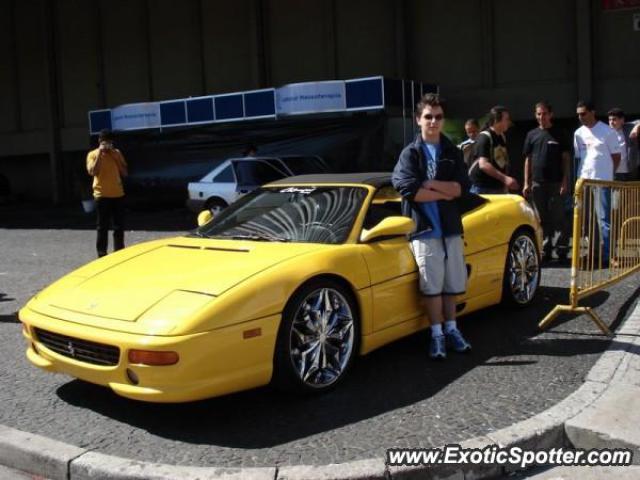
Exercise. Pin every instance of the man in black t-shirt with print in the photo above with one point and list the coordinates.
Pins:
(489, 172)
(546, 176)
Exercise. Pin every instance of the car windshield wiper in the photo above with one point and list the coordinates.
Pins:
(258, 238)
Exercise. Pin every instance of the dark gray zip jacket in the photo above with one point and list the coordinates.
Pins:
(411, 171)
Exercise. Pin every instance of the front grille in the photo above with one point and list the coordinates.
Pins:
(78, 349)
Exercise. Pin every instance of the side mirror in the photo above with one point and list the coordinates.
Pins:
(389, 227)
(205, 216)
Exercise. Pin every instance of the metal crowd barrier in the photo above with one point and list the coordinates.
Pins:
(595, 262)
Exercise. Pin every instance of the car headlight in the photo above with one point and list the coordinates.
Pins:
(162, 318)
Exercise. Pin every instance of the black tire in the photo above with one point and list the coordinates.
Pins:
(303, 325)
(521, 271)
(215, 205)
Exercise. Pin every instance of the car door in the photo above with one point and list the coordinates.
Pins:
(485, 246)
(393, 273)
(223, 185)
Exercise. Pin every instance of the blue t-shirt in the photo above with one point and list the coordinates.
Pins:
(430, 209)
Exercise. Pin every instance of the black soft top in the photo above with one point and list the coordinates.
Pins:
(375, 179)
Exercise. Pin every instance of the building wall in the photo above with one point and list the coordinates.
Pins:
(482, 52)
(617, 59)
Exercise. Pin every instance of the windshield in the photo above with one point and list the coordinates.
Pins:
(290, 214)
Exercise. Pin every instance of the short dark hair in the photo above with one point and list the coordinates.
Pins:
(588, 104)
(431, 99)
(616, 112)
(472, 121)
(496, 113)
(105, 134)
(544, 104)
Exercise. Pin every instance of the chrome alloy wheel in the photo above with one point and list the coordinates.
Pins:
(322, 337)
(524, 269)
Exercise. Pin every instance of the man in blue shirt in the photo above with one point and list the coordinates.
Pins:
(429, 175)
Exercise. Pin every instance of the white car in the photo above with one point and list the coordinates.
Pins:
(236, 176)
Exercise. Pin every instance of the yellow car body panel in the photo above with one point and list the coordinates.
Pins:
(219, 303)
(202, 371)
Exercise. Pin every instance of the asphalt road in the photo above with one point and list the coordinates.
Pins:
(394, 397)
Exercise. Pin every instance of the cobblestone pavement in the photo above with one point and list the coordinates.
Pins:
(394, 397)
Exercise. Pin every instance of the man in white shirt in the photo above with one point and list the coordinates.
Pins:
(597, 149)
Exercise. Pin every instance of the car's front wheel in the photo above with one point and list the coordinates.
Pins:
(522, 270)
(318, 338)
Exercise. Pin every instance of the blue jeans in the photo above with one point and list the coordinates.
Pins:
(602, 205)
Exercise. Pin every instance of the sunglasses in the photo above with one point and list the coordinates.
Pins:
(582, 114)
(437, 117)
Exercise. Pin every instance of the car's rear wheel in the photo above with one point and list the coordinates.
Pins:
(522, 270)
(318, 337)
(215, 206)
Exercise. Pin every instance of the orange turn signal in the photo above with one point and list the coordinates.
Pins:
(150, 357)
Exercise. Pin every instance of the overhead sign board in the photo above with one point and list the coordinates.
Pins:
(135, 116)
(311, 97)
(342, 96)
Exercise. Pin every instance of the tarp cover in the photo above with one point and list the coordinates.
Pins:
(161, 163)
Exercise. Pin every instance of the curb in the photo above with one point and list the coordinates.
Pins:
(59, 461)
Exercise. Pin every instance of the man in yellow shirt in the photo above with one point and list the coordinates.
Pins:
(107, 166)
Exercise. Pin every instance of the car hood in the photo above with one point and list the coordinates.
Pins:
(195, 270)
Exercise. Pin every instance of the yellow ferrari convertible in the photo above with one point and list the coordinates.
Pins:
(287, 285)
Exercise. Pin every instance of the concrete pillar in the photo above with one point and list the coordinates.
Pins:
(331, 41)
(488, 51)
(584, 49)
(400, 24)
(53, 101)
(261, 44)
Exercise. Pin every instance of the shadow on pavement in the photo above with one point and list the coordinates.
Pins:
(36, 216)
(10, 318)
(396, 376)
(6, 298)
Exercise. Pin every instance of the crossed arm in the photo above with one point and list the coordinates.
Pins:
(432, 190)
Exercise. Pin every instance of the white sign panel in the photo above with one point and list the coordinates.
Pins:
(311, 97)
(135, 116)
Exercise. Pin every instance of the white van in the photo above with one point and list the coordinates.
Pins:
(236, 176)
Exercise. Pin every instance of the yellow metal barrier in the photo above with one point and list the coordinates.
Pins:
(606, 242)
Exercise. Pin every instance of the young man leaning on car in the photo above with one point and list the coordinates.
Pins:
(429, 175)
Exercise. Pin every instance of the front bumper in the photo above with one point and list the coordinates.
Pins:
(211, 363)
